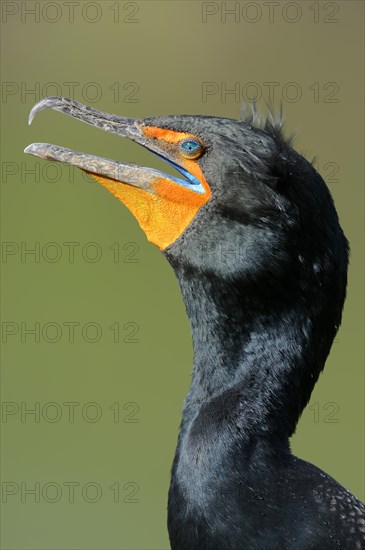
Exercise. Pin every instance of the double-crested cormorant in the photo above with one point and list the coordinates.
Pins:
(251, 231)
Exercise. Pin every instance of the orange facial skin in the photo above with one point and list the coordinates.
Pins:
(165, 211)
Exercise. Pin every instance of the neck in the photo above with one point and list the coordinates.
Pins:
(256, 359)
(257, 348)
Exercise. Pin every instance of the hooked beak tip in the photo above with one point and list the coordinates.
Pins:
(44, 104)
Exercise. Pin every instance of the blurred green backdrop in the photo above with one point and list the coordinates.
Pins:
(108, 364)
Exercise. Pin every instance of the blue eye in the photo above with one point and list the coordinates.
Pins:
(191, 148)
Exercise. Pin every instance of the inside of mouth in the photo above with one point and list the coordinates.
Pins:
(189, 180)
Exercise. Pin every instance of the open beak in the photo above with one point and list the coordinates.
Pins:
(132, 174)
(163, 204)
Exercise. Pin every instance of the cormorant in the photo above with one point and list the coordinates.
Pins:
(253, 236)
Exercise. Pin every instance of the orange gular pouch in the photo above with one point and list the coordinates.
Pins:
(165, 210)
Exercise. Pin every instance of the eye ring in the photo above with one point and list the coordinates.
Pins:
(191, 148)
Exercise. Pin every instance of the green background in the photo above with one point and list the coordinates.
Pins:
(167, 52)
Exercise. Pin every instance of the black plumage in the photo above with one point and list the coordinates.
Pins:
(263, 270)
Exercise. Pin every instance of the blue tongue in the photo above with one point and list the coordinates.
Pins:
(191, 181)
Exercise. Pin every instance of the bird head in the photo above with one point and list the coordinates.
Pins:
(242, 197)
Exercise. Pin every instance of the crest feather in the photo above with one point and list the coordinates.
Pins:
(271, 121)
